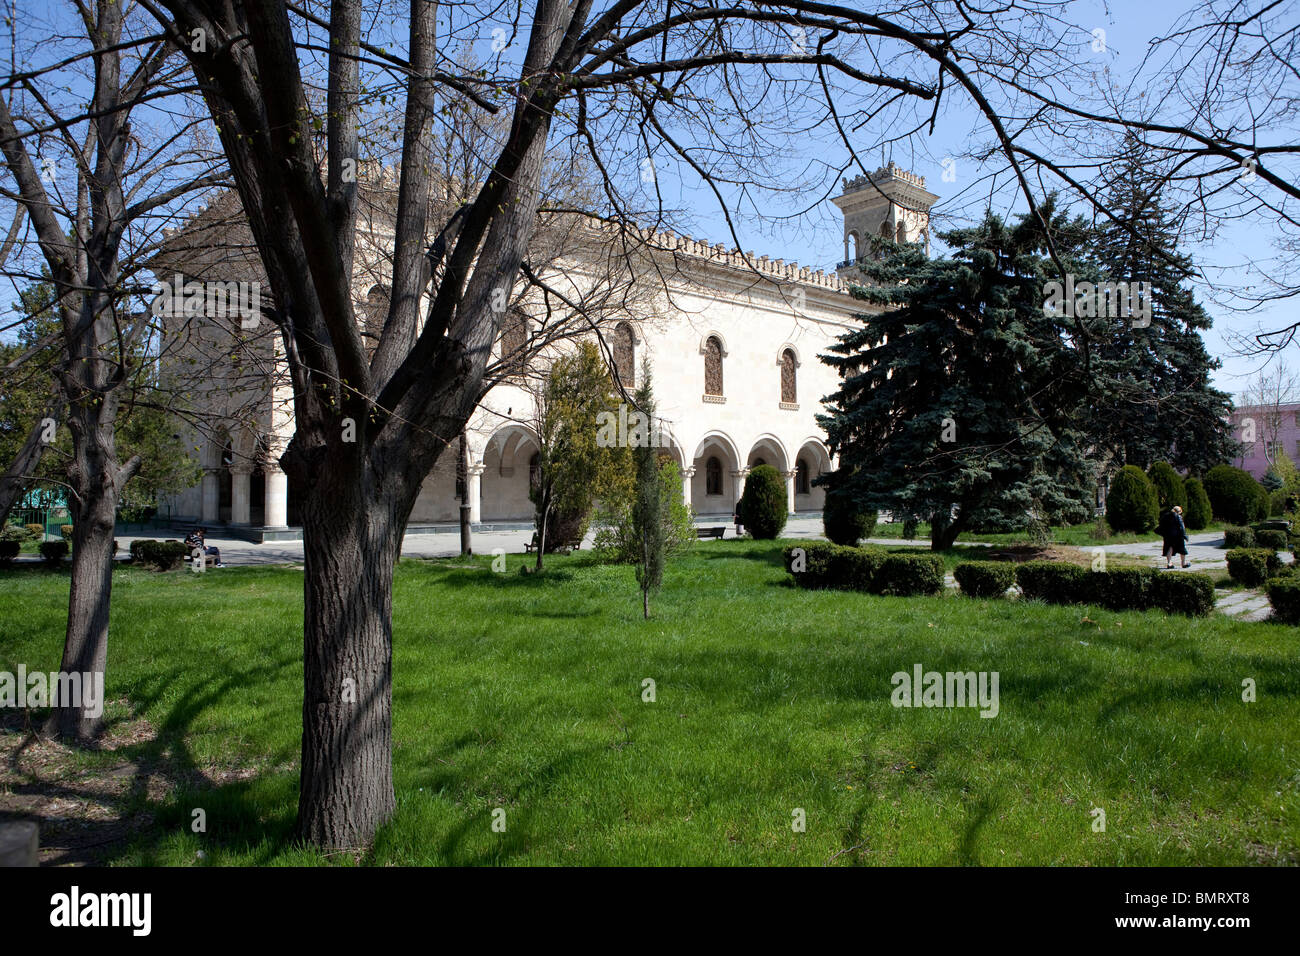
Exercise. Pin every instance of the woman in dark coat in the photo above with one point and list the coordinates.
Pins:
(1174, 532)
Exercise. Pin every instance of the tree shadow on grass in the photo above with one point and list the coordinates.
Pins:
(137, 794)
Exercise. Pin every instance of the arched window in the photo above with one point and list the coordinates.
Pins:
(789, 391)
(624, 355)
(853, 247)
(713, 477)
(801, 486)
(885, 230)
(713, 367)
(902, 233)
(514, 339)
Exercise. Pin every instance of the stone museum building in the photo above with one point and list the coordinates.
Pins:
(732, 345)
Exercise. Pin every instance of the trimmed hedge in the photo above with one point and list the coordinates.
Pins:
(985, 579)
(1238, 537)
(1191, 594)
(1234, 494)
(843, 522)
(906, 575)
(1252, 566)
(1120, 589)
(65, 530)
(1051, 581)
(1198, 512)
(54, 551)
(864, 569)
(163, 555)
(1284, 596)
(1131, 504)
(35, 531)
(8, 551)
(1274, 540)
(763, 506)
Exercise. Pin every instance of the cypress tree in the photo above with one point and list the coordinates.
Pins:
(648, 511)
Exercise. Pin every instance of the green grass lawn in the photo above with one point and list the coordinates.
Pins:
(525, 693)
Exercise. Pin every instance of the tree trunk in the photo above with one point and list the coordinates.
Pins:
(943, 533)
(352, 532)
(95, 479)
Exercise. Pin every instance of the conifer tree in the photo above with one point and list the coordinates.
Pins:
(649, 511)
(956, 401)
(1154, 400)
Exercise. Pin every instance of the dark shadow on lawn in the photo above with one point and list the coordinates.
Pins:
(140, 816)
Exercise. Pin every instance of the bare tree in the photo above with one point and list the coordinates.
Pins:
(97, 165)
(1273, 388)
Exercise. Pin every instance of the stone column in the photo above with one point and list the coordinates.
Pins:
(475, 491)
(276, 509)
(789, 488)
(211, 487)
(687, 475)
(240, 498)
(738, 477)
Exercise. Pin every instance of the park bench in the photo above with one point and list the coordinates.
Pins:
(531, 546)
(710, 532)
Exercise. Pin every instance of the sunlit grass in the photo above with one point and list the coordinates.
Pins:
(525, 694)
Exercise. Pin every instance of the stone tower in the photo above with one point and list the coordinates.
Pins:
(890, 202)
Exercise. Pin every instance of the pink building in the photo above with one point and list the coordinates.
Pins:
(1264, 430)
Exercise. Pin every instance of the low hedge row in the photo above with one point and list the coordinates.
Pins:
(847, 568)
(985, 579)
(163, 555)
(1253, 566)
(1120, 589)
(1234, 537)
(1284, 596)
(8, 551)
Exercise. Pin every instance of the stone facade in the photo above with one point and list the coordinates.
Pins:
(733, 349)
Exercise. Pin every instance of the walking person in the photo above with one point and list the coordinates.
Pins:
(1174, 533)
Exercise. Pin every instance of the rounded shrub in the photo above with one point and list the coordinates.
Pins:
(1197, 513)
(65, 531)
(763, 507)
(35, 531)
(1234, 537)
(985, 579)
(54, 551)
(1131, 504)
(1252, 566)
(1053, 582)
(1284, 596)
(1169, 486)
(8, 551)
(1273, 540)
(1234, 495)
(844, 522)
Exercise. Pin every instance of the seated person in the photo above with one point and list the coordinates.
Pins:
(197, 539)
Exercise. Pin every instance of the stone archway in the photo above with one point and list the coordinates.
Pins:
(716, 479)
(505, 474)
(811, 462)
